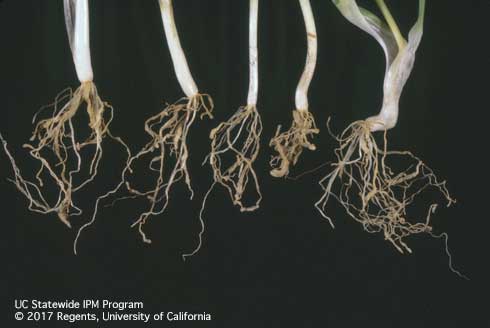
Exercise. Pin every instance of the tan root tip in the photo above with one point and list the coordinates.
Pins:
(280, 172)
(64, 218)
(212, 134)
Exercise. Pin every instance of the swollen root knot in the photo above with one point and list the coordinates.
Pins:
(55, 145)
(168, 131)
(372, 192)
(238, 137)
(289, 144)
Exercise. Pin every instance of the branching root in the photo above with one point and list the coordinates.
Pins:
(289, 144)
(54, 144)
(168, 131)
(240, 137)
(381, 195)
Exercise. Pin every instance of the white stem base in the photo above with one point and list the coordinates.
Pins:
(385, 120)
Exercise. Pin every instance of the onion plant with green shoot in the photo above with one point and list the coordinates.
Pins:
(239, 136)
(168, 131)
(54, 142)
(289, 144)
(371, 191)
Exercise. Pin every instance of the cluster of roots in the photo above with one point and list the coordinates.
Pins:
(240, 138)
(289, 144)
(168, 131)
(372, 193)
(55, 145)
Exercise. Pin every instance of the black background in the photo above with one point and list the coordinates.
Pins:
(282, 265)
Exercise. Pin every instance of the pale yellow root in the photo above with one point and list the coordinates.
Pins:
(289, 144)
(56, 136)
(372, 193)
(168, 131)
(239, 137)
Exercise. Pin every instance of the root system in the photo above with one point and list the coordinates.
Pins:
(168, 131)
(55, 138)
(289, 144)
(240, 137)
(374, 194)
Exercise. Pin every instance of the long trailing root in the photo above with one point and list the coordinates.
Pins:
(382, 195)
(289, 144)
(56, 135)
(168, 131)
(240, 136)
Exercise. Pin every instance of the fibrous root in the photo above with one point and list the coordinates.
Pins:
(168, 131)
(54, 144)
(374, 194)
(240, 136)
(289, 144)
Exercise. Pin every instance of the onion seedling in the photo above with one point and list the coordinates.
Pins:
(289, 144)
(371, 191)
(54, 137)
(168, 131)
(170, 127)
(240, 135)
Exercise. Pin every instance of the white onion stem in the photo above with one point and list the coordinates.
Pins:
(304, 83)
(78, 29)
(178, 58)
(253, 54)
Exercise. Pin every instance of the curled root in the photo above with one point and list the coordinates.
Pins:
(382, 196)
(289, 145)
(54, 138)
(168, 131)
(240, 135)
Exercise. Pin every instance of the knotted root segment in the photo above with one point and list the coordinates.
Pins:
(240, 137)
(55, 138)
(289, 144)
(168, 131)
(382, 196)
